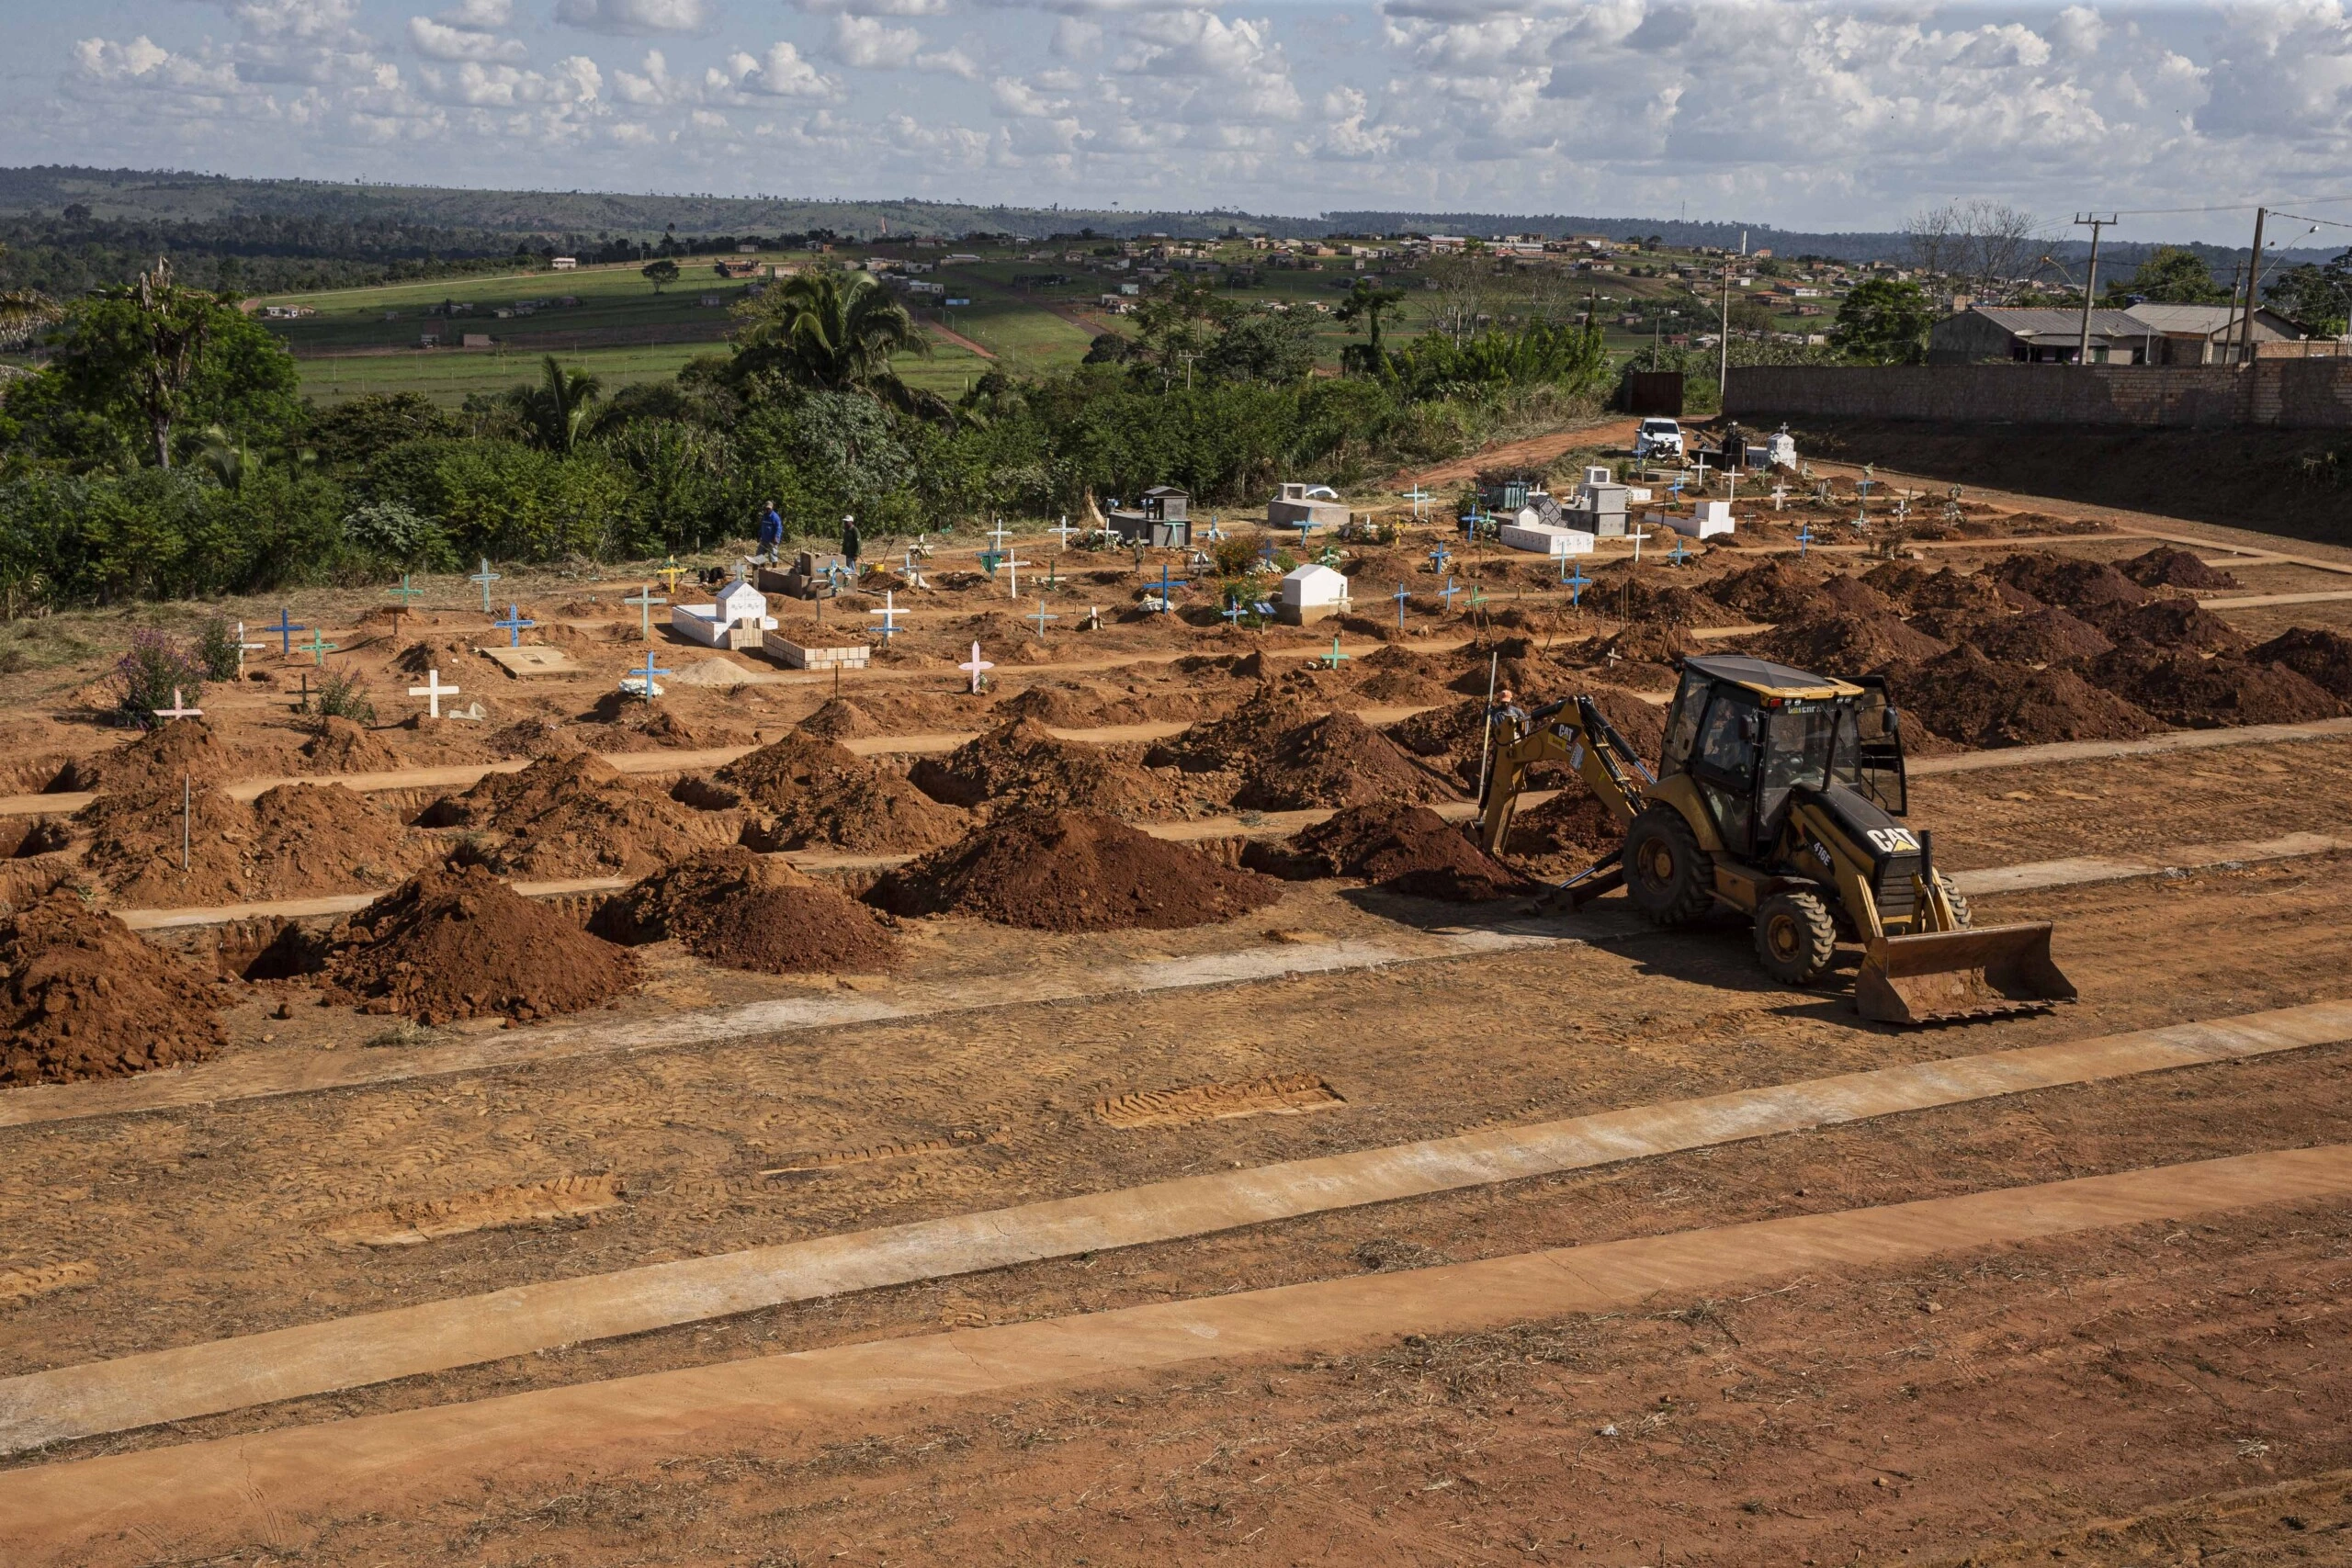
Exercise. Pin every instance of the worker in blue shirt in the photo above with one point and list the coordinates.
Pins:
(771, 532)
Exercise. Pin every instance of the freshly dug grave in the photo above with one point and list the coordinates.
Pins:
(743, 911)
(1916, 589)
(1397, 848)
(87, 998)
(187, 747)
(2169, 567)
(2046, 636)
(807, 792)
(2206, 693)
(2323, 658)
(1023, 764)
(2173, 623)
(1966, 697)
(572, 815)
(1080, 705)
(1773, 589)
(1338, 760)
(840, 719)
(1231, 744)
(1844, 644)
(339, 746)
(452, 945)
(1452, 738)
(2085, 587)
(294, 841)
(1069, 870)
(1401, 688)
(1573, 827)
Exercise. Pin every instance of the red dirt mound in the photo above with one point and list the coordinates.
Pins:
(742, 912)
(840, 719)
(571, 814)
(295, 841)
(2174, 624)
(1845, 644)
(1398, 849)
(2167, 567)
(342, 747)
(1452, 736)
(1644, 593)
(1964, 696)
(1069, 870)
(185, 746)
(2046, 636)
(454, 944)
(2205, 693)
(1573, 826)
(2083, 586)
(1915, 589)
(1773, 589)
(87, 998)
(1231, 744)
(1401, 688)
(2323, 658)
(808, 792)
(1336, 760)
(1023, 764)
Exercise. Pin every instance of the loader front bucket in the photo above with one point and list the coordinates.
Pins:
(1955, 977)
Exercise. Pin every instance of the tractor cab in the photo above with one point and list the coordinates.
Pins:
(1752, 734)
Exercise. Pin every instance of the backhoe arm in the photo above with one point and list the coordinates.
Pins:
(1574, 733)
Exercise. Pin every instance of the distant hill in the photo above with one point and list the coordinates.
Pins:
(84, 223)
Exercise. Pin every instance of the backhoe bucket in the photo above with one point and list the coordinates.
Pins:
(1953, 976)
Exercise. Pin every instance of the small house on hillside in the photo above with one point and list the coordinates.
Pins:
(737, 618)
(2141, 334)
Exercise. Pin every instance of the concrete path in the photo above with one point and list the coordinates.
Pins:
(279, 1488)
(230, 1374)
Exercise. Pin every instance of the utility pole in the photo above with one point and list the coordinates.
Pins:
(1723, 343)
(2090, 286)
(2253, 283)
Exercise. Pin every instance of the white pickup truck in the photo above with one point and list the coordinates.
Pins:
(1657, 438)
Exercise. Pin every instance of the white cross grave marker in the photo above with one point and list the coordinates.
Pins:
(178, 710)
(1012, 565)
(245, 647)
(889, 613)
(976, 667)
(433, 691)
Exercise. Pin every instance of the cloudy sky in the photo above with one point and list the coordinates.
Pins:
(1785, 111)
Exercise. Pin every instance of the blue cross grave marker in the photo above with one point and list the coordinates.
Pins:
(1401, 594)
(512, 625)
(286, 627)
(1447, 593)
(1804, 537)
(644, 675)
(1575, 586)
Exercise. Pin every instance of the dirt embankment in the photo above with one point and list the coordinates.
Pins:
(456, 945)
(742, 912)
(1069, 870)
(87, 998)
(1023, 765)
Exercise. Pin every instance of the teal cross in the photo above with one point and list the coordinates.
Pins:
(1041, 618)
(404, 593)
(319, 647)
(645, 599)
(1680, 554)
(485, 577)
(1331, 659)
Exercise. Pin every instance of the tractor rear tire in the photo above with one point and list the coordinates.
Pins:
(1796, 938)
(1669, 878)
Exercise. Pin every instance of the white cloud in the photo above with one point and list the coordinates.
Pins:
(109, 61)
(872, 45)
(439, 40)
(781, 74)
(638, 17)
(877, 7)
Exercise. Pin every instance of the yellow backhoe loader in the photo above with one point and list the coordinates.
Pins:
(1777, 793)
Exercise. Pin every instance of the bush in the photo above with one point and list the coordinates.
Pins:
(398, 533)
(149, 670)
(216, 648)
(341, 694)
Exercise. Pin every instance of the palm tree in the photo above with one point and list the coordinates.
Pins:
(832, 332)
(560, 409)
(1365, 303)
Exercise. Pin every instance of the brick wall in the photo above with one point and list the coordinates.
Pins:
(2304, 394)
